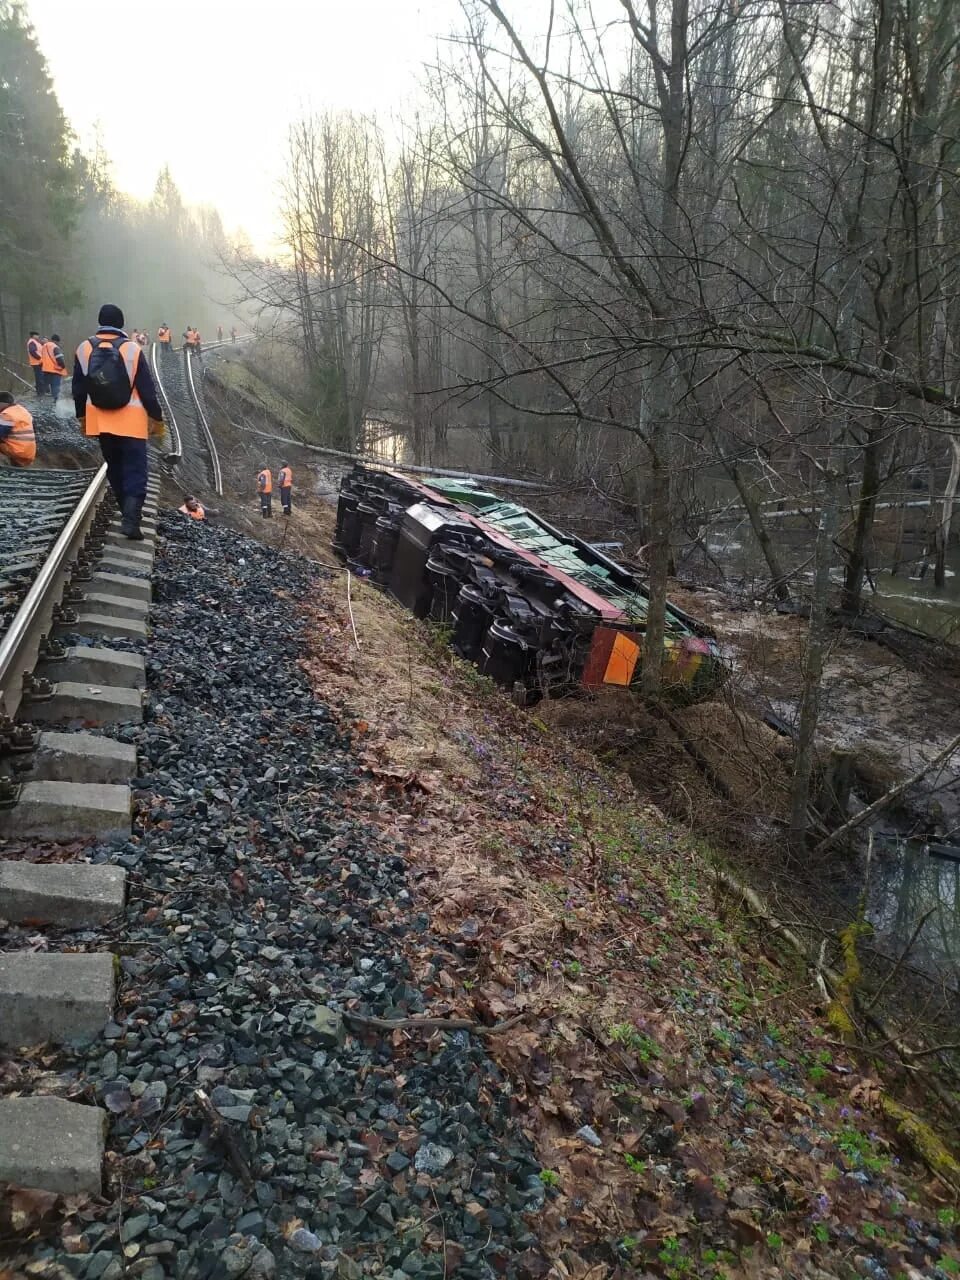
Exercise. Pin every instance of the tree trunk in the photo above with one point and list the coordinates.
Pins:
(778, 577)
(946, 517)
(659, 519)
(816, 646)
(856, 566)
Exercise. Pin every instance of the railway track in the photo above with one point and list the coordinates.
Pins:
(76, 598)
(52, 523)
(193, 450)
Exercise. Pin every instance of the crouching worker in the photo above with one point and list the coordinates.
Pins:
(18, 441)
(193, 509)
(115, 400)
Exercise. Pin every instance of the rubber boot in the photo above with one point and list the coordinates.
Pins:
(130, 521)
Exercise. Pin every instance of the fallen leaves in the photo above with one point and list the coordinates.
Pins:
(558, 894)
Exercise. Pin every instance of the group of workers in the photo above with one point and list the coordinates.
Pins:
(46, 360)
(265, 489)
(116, 401)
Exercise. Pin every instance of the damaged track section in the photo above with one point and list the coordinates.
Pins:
(261, 911)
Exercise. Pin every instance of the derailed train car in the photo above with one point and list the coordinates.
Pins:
(539, 611)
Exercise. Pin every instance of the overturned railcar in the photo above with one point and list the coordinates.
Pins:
(539, 611)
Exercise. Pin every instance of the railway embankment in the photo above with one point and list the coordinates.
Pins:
(409, 982)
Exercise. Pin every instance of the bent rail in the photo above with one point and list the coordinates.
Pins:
(175, 453)
(201, 418)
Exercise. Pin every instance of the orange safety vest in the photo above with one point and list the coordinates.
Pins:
(21, 445)
(131, 420)
(48, 358)
(285, 478)
(265, 482)
(34, 351)
(163, 334)
(199, 514)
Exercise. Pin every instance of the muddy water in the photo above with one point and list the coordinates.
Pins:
(915, 601)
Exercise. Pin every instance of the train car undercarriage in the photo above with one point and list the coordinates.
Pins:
(539, 611)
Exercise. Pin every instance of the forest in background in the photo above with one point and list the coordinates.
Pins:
(69, 240)
(633, 242)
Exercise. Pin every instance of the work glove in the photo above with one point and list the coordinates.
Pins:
(155, 429)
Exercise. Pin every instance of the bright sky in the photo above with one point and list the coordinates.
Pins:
(210, 86)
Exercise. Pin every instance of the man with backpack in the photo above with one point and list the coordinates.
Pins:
(115, 400)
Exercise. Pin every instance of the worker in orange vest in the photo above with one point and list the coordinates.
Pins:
(265, 490)
(52, 365)
(193, 509)
(116, 400)
(18, 441)
(285, 482)
(164, 337)
(35, 360)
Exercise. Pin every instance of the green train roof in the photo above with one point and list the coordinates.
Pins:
(570, 555)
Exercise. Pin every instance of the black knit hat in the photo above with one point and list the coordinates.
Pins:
(111, 316)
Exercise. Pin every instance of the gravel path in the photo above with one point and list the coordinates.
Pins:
(261, 907)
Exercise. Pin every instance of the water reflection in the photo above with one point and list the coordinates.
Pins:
(921, 604)
(904, 887)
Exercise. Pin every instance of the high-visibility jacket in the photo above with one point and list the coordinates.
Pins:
(163, 334)
(198, 514)
(48, 358)
(190, 337)
(285, 477)
(131, 420)
(265, 482)
(21, 444)
(35, 351)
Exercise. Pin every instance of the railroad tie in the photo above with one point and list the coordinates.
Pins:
(78, 787)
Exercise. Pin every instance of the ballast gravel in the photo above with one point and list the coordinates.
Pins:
(261, 909)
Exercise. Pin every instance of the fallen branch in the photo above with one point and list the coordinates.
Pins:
(224, 1136)
(696, 755)
(356, 638)
(887, 798)
(433, 1024)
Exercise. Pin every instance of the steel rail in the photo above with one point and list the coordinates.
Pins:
(175, 453)
(20, 644)
(211, 447)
